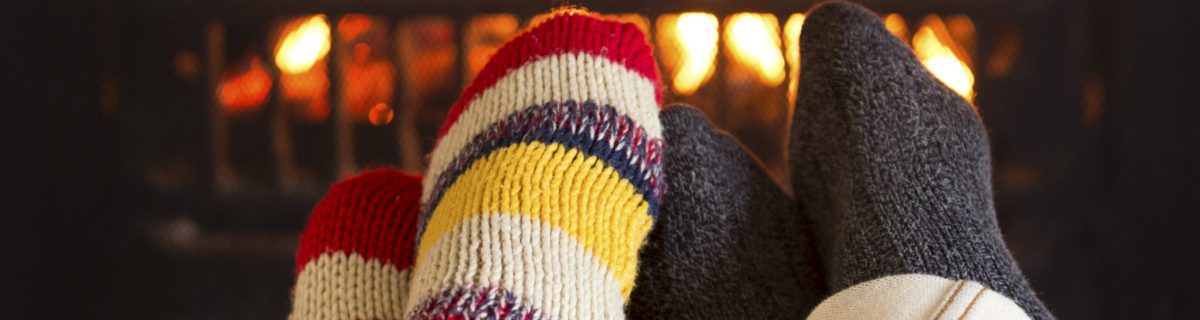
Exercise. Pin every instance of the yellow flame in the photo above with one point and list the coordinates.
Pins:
(753, 39)
(303, 46)
(791, 33)
(933, 46)
(696, 33)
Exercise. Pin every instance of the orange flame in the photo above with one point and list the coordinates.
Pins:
(303, 46)
(366, 72)
(753, 40)
(426, 48)
(939, 52)
(485, 35)
(300, 55)
(791, 32)
(380, 114)
(692, 37)
(353, 25)
(245, 91)
(896, 25)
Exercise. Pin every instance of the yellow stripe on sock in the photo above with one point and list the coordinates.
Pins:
(572, 191)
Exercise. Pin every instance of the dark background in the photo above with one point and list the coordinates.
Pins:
(1102, 215)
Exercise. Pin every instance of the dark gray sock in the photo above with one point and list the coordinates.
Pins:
(891, 166)
(728, 243)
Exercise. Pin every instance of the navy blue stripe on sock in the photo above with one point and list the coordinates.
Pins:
(597, 131)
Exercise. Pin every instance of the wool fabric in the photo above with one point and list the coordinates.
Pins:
(354, 255)
(891, 165)
(729, 243)
(545, 180)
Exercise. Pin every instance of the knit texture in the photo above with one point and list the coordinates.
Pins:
(729, 243)
(545, 179)
(355, 253)
(892, 166)
(918, 296)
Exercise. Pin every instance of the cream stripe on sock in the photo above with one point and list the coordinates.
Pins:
(917, 296)
(338, 285)
(572, 76)
(537, 262)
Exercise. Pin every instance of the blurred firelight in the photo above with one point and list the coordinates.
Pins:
(303, 45)
(934, 46)
(895, 24)
(353, 25)
(692, 36)
(243, 91)
(791, 33)
(366, 72)
(381, 114)
(484, 35)
(753, 40)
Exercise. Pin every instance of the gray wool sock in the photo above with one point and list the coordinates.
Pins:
(728, 243)
(892, 167)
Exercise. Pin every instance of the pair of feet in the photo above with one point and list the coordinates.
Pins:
(555, 163)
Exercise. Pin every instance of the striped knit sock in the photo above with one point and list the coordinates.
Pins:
(729, 243)
(545, 180)
(355, 254)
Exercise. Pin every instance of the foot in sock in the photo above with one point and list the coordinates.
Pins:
(354, 255)
(545, 180)
(893, 167)
(729, 243)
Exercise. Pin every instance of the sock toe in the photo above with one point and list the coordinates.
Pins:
(848, 53)
(839, 31)
(892, 165)
(355, 253)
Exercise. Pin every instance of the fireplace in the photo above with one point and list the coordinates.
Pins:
(226, 120)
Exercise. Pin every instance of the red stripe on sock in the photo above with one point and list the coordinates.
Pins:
(373, 214)
(566, 33)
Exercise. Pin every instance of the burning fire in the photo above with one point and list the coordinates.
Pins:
(484, 35)
(303, 45)
(895, 24)
(791, 32)
(753, 40)
(244, 91)
(366, 72)
(300, 55)
(380, 114)
(939, 52)
(693, 36)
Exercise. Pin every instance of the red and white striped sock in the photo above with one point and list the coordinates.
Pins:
(354, 256)
(546, 179)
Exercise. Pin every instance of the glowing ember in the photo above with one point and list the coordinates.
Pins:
(896, 25)
(753, 40)
(303, 46)
(693, 38)
(791, 33)
(244, 91)
(380, 114)
(935, 48)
